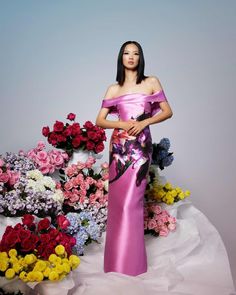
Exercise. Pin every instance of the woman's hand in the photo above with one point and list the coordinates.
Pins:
(137, 127)
(126, 125)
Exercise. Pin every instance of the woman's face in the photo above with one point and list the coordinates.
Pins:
(130, 56)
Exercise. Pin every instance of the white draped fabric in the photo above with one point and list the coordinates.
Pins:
(192, 260)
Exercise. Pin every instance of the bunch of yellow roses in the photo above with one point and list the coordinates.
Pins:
(30, 268)
(166, 192)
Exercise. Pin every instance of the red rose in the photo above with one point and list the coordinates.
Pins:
(43, 224)
(61, 138)
(44, 238)
(90, 145)
(76, 142)
(88, 125)
(52, 139)
(62, 221)
(45, 131)
(71, 116)
(99, 147)
(93, 135)
(67, 131)
(12, 239)
(28, 219)
(58, 126)
(24, 234)
(75, 129)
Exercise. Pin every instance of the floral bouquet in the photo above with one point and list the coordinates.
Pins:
(157, 222)
(165, 193)
(161, 155)
(33, 193)
(86, 190)
(47, 162)
(84, 229)
(70, 137)
(35, 251)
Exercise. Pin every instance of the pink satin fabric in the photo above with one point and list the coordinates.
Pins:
(125, 250)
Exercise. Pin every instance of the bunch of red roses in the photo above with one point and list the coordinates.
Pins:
(39, 238)
(72, 136)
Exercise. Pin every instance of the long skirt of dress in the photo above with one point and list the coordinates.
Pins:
(129, 161)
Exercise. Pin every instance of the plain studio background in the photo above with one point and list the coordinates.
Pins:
(59, 57)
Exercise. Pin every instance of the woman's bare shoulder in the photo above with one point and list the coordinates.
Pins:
(111, 91)
(154, 83)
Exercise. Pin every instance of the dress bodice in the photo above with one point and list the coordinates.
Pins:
(132, 105)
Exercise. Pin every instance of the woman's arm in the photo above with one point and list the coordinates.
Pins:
(108, 124)
(166, 111)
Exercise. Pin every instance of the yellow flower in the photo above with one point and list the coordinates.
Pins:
(173, 193)
(31, 276)
(3, 264)
(38, 276)
(53, 276)
(30, 258)
(40, 265)
(66, 267)
(178, 189)
(187, 193)
(74, 261)
(47, 272)
(17, 267)
(181, 196)
(10, 273)
(12, 253)
(23, 276)
(3, 255)
(59, 269)
(60, 250)
(168, 186)
(13, 259)
(52, 258)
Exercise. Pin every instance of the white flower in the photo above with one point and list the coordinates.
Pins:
(34, 174)
(58, 196)
(49, 182)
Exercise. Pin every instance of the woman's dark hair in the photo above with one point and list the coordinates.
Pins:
(120, 76)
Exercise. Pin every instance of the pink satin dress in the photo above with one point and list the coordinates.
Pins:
(129, 162)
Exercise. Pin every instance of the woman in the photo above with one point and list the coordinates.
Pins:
(136, 98)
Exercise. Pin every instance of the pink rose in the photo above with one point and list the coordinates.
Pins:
(90, 161)
(71, 116)
(105, 165)
(4, 177)
(164, 231)
(41, 145)
(151, 224)
(157, 209)
(171, 226)
(44, 169)
(42, 156)
(14, 177)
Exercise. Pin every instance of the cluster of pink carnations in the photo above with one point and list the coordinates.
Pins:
(7, 176)
(84, 186)
(157, 221)
(47, 161)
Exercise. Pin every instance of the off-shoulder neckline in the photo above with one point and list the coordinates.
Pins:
(113, 98)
